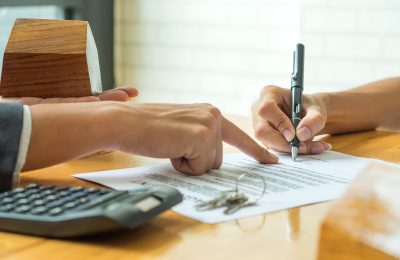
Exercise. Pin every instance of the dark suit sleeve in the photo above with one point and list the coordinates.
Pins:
(11, 122)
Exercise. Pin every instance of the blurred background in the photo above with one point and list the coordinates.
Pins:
(223, 51)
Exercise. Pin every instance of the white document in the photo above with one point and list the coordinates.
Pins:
(311, 179)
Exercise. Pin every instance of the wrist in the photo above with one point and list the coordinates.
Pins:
(106, 124)
(323, 100)
(115, 121)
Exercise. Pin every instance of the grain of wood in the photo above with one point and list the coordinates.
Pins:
(50, 58)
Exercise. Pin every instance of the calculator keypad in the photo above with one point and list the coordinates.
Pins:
(36, 199)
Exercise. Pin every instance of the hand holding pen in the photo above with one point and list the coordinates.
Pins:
(282, 128)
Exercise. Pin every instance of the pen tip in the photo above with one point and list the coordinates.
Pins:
(295, 151)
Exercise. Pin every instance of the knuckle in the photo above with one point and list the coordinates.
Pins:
(269, 102)
(203, 133)
(319, 121)
(266, 109)
(318, 117)
(205, 105)
(268, 88)
(208, 120)
(196, 171)
(280, 123)
(210, 111)
(214, 111)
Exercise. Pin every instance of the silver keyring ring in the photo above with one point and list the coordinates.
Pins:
(263, 181)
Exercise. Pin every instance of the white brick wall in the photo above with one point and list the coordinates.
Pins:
(215, 51)
(358, 41)
(224, 51)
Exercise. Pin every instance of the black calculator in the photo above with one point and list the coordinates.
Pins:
(63, 212)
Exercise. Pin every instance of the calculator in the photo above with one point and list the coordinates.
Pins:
(64, 212)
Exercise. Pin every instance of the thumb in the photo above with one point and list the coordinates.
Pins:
(310, 125)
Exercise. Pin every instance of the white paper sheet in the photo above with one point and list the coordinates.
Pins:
(310, 179)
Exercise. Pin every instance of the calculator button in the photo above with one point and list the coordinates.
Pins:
(47, 192)
(92, 190)
(22, 201)
(7, 200)
(63, 193)
(6, 208)
(34, 196)
(56, 211)
(68, 198)
(75, 189)
(70, 205)
(22, 209)
(30, 192)
(51, 198)
(39, 202)
(39, 210)
(31, 186)
(43, 188)
(5, 194)
(80, 194)
(19, 195)
(18, 190)
(83, 200)
(103, 192)
(55, 204)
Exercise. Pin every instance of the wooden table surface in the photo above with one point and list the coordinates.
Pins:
(287, 234)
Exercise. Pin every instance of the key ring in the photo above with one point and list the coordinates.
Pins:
(258, 176)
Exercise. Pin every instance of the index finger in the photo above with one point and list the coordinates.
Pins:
(235, 136)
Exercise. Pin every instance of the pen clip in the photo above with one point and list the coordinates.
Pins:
(298, 66)
(295, 66)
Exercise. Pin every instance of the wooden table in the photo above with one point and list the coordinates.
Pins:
(288, 234)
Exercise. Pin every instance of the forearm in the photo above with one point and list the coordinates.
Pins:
(363, 108)
(189, 135)
(62, 132)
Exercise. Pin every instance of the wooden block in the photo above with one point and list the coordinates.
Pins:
(365, 223)
(50, 58)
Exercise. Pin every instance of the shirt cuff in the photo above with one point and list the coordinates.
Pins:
(23, 143)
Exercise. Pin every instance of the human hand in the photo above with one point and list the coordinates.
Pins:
(272, 125)
(189, 135)
(118, 94)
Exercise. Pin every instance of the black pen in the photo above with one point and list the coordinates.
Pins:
(297, 92)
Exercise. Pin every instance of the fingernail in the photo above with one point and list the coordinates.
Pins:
(327, 146)
(273, 156)
(317, 148)
(287, 135)
(302, 148)
(303, 134)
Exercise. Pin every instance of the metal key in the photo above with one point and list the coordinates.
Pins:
(235, 203)
(218, 202)
(234, 200)
(238, 205)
